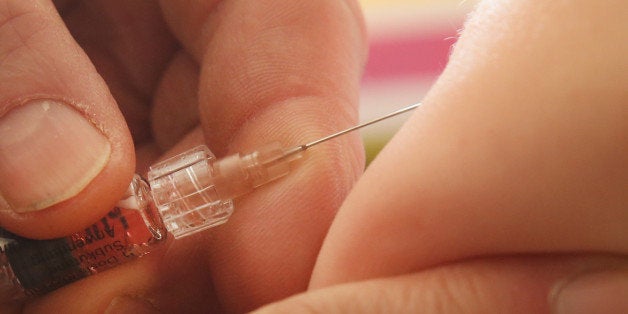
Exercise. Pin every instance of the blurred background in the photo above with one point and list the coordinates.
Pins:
(410, 42)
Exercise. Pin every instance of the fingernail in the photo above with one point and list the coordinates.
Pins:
(131, 305)
(599, 292)
(49, 152)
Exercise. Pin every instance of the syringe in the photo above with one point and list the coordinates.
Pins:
(185, 194)
(198, 180)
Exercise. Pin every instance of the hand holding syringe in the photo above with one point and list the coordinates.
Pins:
(185, 194)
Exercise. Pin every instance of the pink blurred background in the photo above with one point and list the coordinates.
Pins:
(410, 42)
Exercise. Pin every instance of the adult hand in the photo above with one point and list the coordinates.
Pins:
(507, 191)
(231, 74)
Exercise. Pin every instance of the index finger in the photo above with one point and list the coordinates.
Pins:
(287, 71)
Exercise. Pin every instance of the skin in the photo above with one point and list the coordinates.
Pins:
(514, 171)
(514, 175)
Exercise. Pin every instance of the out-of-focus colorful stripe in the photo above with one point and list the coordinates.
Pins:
(410, 42)
(407, 56)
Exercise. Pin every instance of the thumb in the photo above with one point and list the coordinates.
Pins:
(496, 285)
(65, 151)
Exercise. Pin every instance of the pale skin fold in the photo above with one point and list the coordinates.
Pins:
(507, 183)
